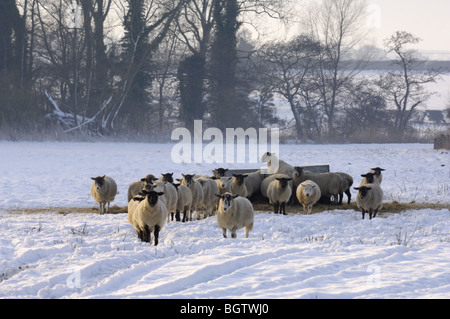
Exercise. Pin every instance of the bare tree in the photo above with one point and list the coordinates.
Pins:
(339, 26)
(405, 85)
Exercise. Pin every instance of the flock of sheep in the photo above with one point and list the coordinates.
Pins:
(153, 201)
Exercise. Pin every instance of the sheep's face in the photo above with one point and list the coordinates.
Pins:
(283, 181)
(377, 170)
(224, 181)
(220, 172)
(148, 179)
(152, 197)
(167, 177)
(267, 156)
(369, 177)
(99, 181)
(309, 189)
(239, 178)
(226, 201)
(362, 191)
(298, 171)
(188, 179)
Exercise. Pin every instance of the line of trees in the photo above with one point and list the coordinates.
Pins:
(139, 68)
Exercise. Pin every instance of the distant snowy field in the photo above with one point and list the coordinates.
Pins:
(333, 254)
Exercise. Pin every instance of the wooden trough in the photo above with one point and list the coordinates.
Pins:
(313, 169)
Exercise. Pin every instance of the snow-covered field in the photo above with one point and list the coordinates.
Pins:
(333, 254)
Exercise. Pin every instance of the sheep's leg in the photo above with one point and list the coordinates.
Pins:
(108, 208)
(233, 233)
(172, 214)
(370, 213)
(375, 213)
(363, 213)
(177, 216)
(184, 215)
(224, 232)
(349, 195)
(283, 207)
(156, 233)
(275, 208)
(341, 197)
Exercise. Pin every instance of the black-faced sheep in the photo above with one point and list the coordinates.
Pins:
(184, 202)
(196, 190)
(279, 192)
(136, 187)
(104, 190)
(238, 185)
(149, 216)
(369, 199)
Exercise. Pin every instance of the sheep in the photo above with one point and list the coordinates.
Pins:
(329, 183)
(170, 196)
(369, 199)
(272, 168)
(238, 186)
(368, 178)
(197, 192)
(253, 183)
(345, 185)
(149, 216)
(266, 181)
(378, 174)
(224, 184)
(234, 212)
(308, 193)
(220, 172)
(184, 201)
(132, 204)
(210, 190)
(104, 190)
(167, 177)
(136, 187)
(279, 192)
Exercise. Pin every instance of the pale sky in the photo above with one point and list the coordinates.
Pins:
(427, 19)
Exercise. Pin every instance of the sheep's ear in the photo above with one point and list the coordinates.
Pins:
(289, 178)
(103, 176)
(357, 188)
(178, 179)
(93, 178)
(138, 199)
(219, 195)
(234, 196)
(143, 180)
(160, 193)
(183, 175)
(213, 177)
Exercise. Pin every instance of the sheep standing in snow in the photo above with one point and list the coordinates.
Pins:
(234, 212)
(266, 182)
(279, 192)
(308, 193)
(210, 190)
(184, 203)
(104, 190)
(369, 199)
(136, 187)
(196, 190)
(170, 196)
(345, 185)
(329, 183)
(276, 165)
(373, 176)
(149, 216)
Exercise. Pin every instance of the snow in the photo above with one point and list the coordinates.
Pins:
(334, 254)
